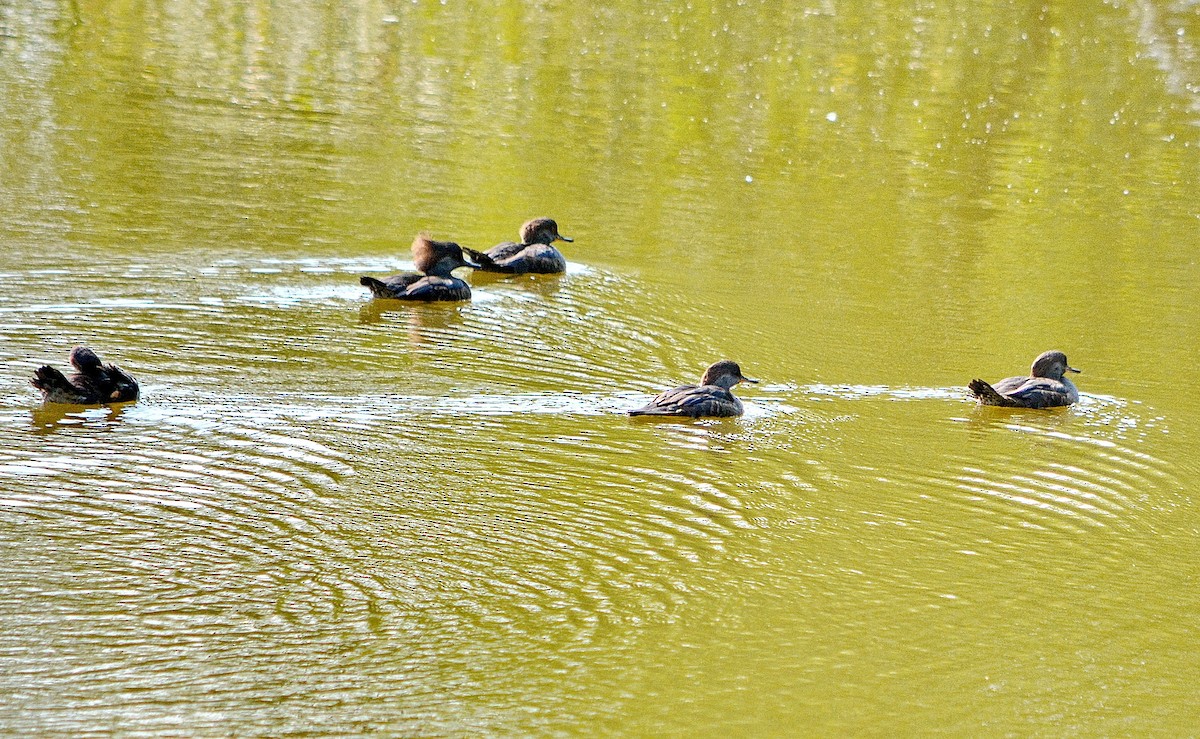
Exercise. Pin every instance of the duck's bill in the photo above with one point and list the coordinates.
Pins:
(472, 265)
(565, 238)
(1072, 369)
(747, 379)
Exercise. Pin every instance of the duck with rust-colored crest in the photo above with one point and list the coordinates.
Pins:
(435, 260)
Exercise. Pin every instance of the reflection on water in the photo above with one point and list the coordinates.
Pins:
(332, 514)
(48, 417)
(423, 324)
(544, 286)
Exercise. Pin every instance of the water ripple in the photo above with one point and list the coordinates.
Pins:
(308, 464)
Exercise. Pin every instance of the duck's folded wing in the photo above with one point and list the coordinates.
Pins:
(507, 250)
(437, 288)
(689, 400)
(712, 401)
(1010, 384)
(1040, 392)
(400, 282)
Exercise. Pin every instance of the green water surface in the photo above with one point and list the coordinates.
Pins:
(328, 515)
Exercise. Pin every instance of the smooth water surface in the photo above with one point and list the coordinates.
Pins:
(333, 515)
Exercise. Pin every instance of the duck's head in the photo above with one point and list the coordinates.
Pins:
(1052, 365)
(541, 231)
(438, 258)
(84, 359)
(725, 373)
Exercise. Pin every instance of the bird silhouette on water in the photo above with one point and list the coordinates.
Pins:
(435, 260)
(534, 255)
(93, 382)
(711, 398)
(1046, 386)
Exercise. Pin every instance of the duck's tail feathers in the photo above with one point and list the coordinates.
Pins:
(55, 387)
(47, 378)
(987, 395)
(377, 287)
(481, 258)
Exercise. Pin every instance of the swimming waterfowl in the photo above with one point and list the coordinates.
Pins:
(712, 397)
(533, 255)
(93, 383)
(1046, 386)
(436, 260)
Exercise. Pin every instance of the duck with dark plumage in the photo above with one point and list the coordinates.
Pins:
(94, 382)
(1046, 386)
(711, 398)
(435, 260)
(534, 255)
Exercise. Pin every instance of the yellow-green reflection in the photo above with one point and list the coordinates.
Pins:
(329, 515)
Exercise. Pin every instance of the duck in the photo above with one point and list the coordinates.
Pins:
(534, 255)
(434, 260)
(1046, 386)
(93, 383)
(710, 399)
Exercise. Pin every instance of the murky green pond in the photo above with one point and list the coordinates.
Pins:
(327, 515)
